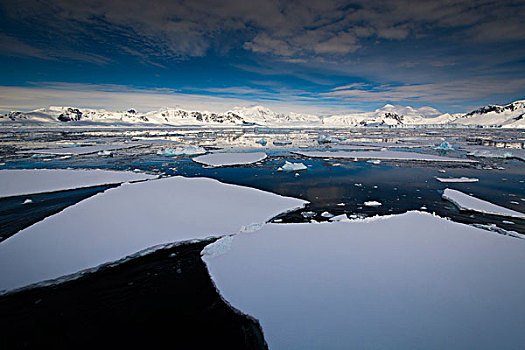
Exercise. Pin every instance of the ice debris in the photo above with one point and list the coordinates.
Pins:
(457, 179)
(262, 142)
(288, 166)
(189, 150)
(444, 146)
(326, 214)
(218, 247)
(372, 204)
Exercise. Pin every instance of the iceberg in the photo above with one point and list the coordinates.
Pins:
(444, 146)
(289, 166)
(262, 142)
(409, 281)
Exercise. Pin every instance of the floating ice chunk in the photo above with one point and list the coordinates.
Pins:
(374, 161)
(288, 166)
(383, 155)
(218, 247)
(465, 202)
(401, 282)
(326, 214)
(19, 182)
(37, 156)
(262, 142)
(105, 153)
(189, 150)
(372, 204)
(127, 219)
(445, 146)
(28, 201)
(457, 179)
(340, 218)
(325, 139)
(228, 159)
(308, 214)
(490, 154)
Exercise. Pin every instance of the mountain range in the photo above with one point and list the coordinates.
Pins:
(508, 116)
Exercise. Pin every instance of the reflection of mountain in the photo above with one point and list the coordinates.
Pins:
(508, 116)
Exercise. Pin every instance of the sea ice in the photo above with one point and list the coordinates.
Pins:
(228, 159)
(372, 203)
(189, 150)
(409, 281)
(383, 155)
(76, 150)
(127, 219)
(465, 202)
(288, 166)
(457, 179)
(262, 142)
(19, 182)
(444, 146)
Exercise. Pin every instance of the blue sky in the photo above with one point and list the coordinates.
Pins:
(308, 56)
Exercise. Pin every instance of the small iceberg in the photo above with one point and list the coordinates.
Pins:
(189, 150)
(288, 166)
(374, 161)
(456, 179)
(262, 142)
(372, 204)
(444, 146)
(105, 153)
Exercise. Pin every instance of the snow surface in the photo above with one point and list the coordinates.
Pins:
(392, 155)
(20, 182)
(227, 159)
(122, 221)
(410, 281)
(457, 179)
(78, 150)
(466, 202)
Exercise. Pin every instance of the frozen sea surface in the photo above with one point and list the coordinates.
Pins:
(410, 281)
(128, 219)
(28, 181)
(230, 158)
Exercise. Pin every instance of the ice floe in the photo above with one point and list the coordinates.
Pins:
(372, 204)
(410, 281)
(228, 159)
(19, 182)
(76, 150)
(289, 166)
(465, 202)
(457, 179)
(130, 218)
(189, 150)
(383, 155)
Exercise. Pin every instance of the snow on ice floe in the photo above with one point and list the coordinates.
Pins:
(228, 159)
(289, 166)
(495, 153)
(457, 179)
(397, 282)
(189, 150)
(383, 155)
(76, 150)
(124, 220)
(28, 181)
(465, 202)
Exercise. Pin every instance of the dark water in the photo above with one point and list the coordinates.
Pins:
(163, 299)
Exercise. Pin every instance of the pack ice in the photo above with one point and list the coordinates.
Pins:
(410, 281)
(122, 221)
(19, 182)
(230, 158)
(465, 202)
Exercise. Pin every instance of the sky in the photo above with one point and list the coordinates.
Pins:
(307, 56)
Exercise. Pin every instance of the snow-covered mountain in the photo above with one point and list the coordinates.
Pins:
(508, 116)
